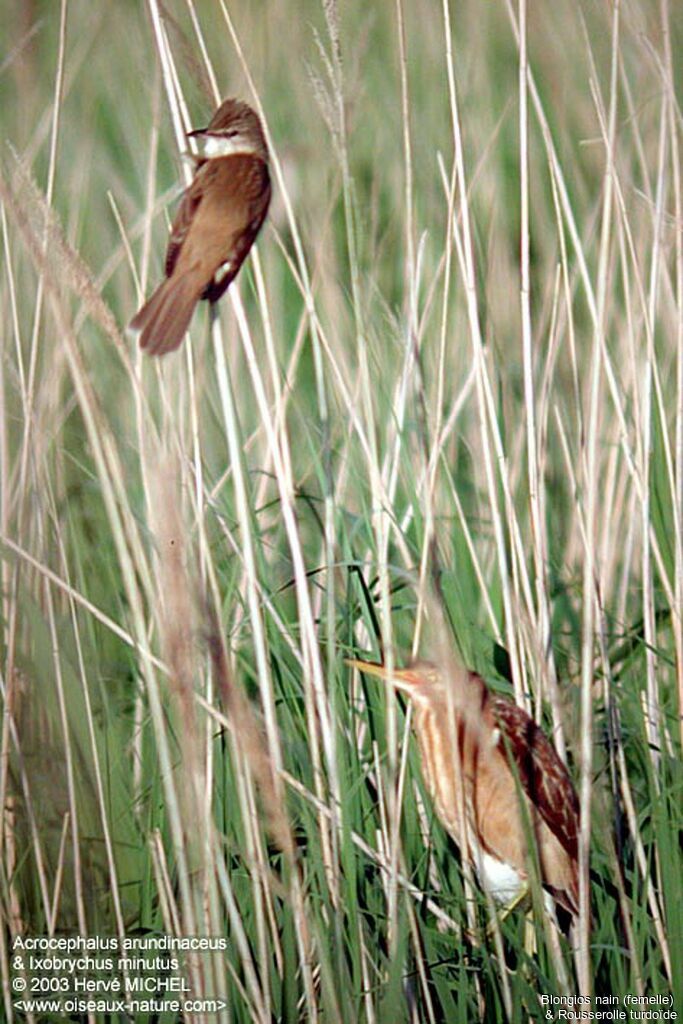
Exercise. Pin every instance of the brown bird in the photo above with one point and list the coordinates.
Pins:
(483, 753)
(219, 217)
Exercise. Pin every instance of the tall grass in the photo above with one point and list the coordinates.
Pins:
(453, 366)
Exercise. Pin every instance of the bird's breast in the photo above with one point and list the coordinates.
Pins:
(440, 766)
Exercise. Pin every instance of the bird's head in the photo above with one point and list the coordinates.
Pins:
(423, 681)
(235, 129)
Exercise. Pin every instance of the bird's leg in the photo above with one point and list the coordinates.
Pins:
(522, 899)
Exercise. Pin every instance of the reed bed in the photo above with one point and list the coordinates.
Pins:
(448, 385)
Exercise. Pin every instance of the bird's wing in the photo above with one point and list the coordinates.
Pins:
(186, 212)
(257, 196)
(541, 773)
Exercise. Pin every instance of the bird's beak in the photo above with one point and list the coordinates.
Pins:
(402, 678)
(195, 133)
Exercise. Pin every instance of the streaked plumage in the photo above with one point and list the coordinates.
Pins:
(488, 746)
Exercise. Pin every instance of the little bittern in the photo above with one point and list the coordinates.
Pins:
(483, 754)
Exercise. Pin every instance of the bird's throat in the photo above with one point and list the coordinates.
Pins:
(211, 146)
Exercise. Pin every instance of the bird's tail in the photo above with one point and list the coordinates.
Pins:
(165, 317)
